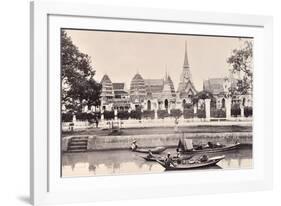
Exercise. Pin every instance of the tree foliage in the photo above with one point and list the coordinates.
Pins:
(241, 62)
(78, 83)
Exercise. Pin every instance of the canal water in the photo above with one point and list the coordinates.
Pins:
(119, 162)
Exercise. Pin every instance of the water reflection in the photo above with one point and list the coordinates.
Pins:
(126, 162)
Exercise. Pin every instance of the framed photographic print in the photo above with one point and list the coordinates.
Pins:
(144, 103)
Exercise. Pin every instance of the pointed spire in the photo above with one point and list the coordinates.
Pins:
(185, 64)
(166, 74)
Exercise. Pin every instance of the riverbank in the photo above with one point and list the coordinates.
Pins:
(165, 130)
(96, 142)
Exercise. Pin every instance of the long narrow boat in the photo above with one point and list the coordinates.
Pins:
(212, 150)
(195, 165)
(155, 150)
(154, 157)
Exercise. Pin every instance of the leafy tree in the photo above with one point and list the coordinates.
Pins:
(176, 113)
(78, 83)
(241, 62)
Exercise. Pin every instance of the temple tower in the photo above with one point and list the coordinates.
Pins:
(186, 87)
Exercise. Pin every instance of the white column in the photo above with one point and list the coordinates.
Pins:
(155, 114)
(115, 114)
(74, 118)
(129, 111)
(195, 109)
(242, 110)
(228, 108)
(102, 115)
(155, 111)
(207, 109)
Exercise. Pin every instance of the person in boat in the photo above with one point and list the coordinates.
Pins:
(168, 161)
(150, 155)
(178, 156)
(199, 146)
(134, 145)
(211, 145)
(218, 145)
(204, 158)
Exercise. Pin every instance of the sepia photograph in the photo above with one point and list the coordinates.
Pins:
(140, 102)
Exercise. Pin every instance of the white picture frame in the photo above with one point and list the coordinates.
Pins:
(46, 184)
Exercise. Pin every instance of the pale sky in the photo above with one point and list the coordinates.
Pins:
(121, 54)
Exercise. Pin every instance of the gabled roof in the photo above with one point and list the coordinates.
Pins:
(214, 85)
(137, 77)
(105, 78)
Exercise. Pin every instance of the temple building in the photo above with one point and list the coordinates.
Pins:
(186, 89)
(220, 88)
(160, 94)
(137, 90)
(114, 95)
(149, 94)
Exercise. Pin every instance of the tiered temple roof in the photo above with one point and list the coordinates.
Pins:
(137, 88)
(107, 87)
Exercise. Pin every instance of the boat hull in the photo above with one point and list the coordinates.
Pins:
(213, 150)
(156, 150)
(209, 163)
(154, 158)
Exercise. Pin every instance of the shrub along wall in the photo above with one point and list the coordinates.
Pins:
(123, 115)
(248, 111)
(135, 114)
(201, 113)
(80, 116)
(235, 110)
(176, 113)
(67, 117)
(148, 114)
(162, 114)
(218, 113)
(108, 115)
(188, 113)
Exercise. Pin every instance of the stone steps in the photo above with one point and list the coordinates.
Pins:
(77, 144)
(77, 150)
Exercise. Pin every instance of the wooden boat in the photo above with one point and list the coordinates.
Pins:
(192, 164)
(155, 150)
(154, 158)
(212, 150)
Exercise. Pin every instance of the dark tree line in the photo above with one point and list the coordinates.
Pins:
(78, 84)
